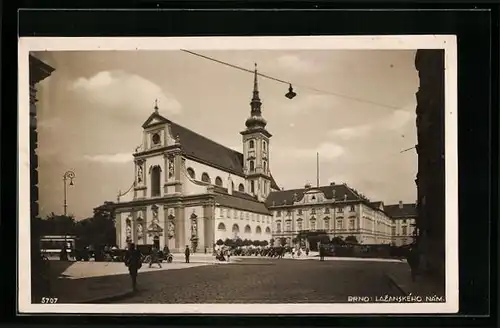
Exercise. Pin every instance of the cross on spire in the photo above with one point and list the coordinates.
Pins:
(156, 105)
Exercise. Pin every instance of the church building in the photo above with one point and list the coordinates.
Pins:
(191, 191)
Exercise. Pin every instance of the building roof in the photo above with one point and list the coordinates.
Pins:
(278, 198)
(401, 210)
(205, 150)
(240, 201)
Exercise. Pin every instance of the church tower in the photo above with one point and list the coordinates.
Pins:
(256, 148)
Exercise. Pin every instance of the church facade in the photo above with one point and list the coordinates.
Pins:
(191, 191)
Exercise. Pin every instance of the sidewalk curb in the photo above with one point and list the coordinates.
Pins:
(111, 298)
(392, 280)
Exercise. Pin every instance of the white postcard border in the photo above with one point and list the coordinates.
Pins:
(446, 42)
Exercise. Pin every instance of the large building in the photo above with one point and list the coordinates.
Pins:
(404, 217)
(189, 190)
(335, 210)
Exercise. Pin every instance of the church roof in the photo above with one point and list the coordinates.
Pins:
(210, 152)
(401, 211)
(240, 201)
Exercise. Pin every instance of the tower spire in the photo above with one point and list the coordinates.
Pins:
(256, 103)
(255, 84)
(156, 105)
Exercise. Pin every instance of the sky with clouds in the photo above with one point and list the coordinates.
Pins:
(91, 109)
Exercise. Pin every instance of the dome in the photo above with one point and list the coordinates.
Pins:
(255, 121)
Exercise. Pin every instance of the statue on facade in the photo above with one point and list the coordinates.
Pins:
(139, 231)
(194, 227)
(171, 226)
(139, 173)
(170, 166)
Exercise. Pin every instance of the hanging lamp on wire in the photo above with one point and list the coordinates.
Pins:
(290, 94)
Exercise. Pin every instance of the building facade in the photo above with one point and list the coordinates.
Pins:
(188, 190)
(404, 226)
(335, 210)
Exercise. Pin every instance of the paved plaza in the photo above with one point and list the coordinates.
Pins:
(257, 280)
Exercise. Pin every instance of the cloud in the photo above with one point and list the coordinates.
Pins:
(297, 64)
(351, 132)
(110, 158)
(49, 123)
(124, 92)
(397, 120)
(308, 103)
(326, 150)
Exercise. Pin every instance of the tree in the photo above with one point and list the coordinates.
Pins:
(238, 242)
(324, 239)
(264, 243)
(229, 242)
(351, 240)
(98, 230)
(247, 242)
(337, 241)
(220, 242)
(55, 224)
(283, 242)
(256, 243)
(295, 240)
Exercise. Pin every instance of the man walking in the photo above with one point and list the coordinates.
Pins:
(321, 253)
(187, 252)
(413, 259)
(133, 260)
(155, 257)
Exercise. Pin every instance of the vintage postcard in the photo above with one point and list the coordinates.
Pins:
(238, 175)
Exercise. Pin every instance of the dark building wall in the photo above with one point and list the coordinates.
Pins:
(431, 163)
(38, 71)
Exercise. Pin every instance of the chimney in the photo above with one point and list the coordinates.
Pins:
(332, 183)
(400, 204)
(307, 185)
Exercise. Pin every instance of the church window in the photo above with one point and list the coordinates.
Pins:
(264, 145)
(236, 228)
(258, 230)
(327, 223)
(221, 227)
(278, 213)
(265, 166)
(278, 226)
(251, 144)
(252, 186)
(205, 177)
(241, 188)
(156, 139)
(191, 173)
(288, 225)
(252, 166)
(218, 181)
(268, 231)
(155, 181)
(248, 229)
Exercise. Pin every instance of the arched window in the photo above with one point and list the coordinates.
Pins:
(191, 173)
(252, 166)
(268, 230)
(252, 187)
(327, 223)
(278, 226)
(264, 145)
(248, 229)
(258, 230)
(155, 181)
(218, 181)
(221, 227)
(241, 188)
(265, 166)
(251, 144)
(299, 224)
(313, 224)
(236, 228)
(288, 225)
(205, 178)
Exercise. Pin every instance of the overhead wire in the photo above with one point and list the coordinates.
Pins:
(289, 82)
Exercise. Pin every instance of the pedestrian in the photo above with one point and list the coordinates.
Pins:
(293, 253)
(321, 253)
(413, 259)
(155, 257)
(133, 260)
(228, 253)
(206, 250)
(166, 251)
(187, 252)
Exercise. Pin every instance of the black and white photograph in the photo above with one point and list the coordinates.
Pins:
(238, 175)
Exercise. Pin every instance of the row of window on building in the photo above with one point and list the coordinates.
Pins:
(236, 228)
(233, 213)
(312, 225)
(352, 209)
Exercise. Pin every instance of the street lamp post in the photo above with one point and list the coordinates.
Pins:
(69, 175)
